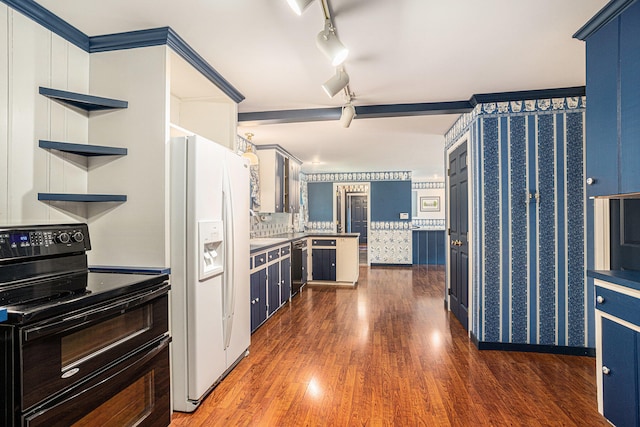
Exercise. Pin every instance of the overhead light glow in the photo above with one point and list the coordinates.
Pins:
(299, 6)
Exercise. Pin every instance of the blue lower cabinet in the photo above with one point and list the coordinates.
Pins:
(428, 247)
(620, 382)
(324, 264)
(258, 298)
(273, 287)
(285, 280)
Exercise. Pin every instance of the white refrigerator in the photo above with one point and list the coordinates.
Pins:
(210, 290)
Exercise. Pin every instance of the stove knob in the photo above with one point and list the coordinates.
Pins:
(78, 236)
(63, 237)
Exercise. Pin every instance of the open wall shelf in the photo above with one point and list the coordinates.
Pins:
(83, 149)
(85, 102)
(68, 197)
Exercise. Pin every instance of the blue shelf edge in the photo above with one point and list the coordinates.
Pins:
(67, 197)
(85, 102)
(129, 270)
(3, 314)
(83, 149)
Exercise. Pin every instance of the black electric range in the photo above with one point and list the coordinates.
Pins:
(44, 273)
(75, 342)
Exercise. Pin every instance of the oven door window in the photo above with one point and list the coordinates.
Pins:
(59, 355)
(90, 342)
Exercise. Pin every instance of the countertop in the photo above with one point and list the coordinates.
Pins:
(262, 243)
(627, 278)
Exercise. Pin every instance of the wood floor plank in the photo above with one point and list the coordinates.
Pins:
(387, 353)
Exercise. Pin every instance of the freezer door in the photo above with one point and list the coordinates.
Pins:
(237, 290)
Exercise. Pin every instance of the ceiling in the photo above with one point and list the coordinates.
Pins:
(401, 51)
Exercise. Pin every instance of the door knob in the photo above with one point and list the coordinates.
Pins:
(600, 299)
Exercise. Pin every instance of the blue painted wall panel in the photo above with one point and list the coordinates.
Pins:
(519, 226)
(575, 230)
(320, 201)
(492, 265)
(533, 230)
(504, 225)
(547, 230)
(389, 199)
(560, 221)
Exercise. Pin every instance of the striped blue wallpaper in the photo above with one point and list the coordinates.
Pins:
(529, 221)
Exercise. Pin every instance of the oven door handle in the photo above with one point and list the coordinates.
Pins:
(92, 315)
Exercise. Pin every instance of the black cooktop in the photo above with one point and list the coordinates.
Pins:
(64, 294)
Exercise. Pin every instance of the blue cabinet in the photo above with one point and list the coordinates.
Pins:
(629, 99)
(285, 280)
(270, 283)
(613, 112)
(620, 359)
(324, 264)
(617, 318)
(273, 287)
(601, 114)
(258, 298)
(428, 247)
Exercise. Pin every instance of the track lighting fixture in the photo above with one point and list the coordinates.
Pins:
(299, 6)
(336, 83)
(330, 45)
(348, 113)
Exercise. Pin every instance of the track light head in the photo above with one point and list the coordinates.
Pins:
(299, 6)
(336, 83)
(330, 45)
(348, 113)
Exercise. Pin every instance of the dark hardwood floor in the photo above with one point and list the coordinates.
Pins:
(387, 353)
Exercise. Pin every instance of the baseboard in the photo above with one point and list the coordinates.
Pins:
(533, 348)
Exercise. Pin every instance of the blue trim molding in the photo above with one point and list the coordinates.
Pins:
(608, 13)
(127, 40)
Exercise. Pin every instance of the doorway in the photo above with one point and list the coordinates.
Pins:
(459, 232)
(352, 214)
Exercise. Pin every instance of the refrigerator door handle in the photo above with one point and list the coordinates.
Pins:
(229, 285)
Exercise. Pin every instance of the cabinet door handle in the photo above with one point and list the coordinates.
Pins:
(600, 299)
(606, 370)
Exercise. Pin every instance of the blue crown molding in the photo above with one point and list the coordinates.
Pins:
(608, 13)
(51, 22)
(162, 36)
(127, 40)
(192, 57)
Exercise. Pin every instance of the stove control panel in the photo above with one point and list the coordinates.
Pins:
(42, 240)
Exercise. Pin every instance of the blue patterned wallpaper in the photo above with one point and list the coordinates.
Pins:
(529, 221)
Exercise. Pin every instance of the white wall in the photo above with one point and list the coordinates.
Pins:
(36, 57)
(134, 233)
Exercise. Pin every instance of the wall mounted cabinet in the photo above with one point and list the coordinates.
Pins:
(279, 180)
(613, 116)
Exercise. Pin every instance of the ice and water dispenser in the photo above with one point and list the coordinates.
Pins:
(210, 248)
